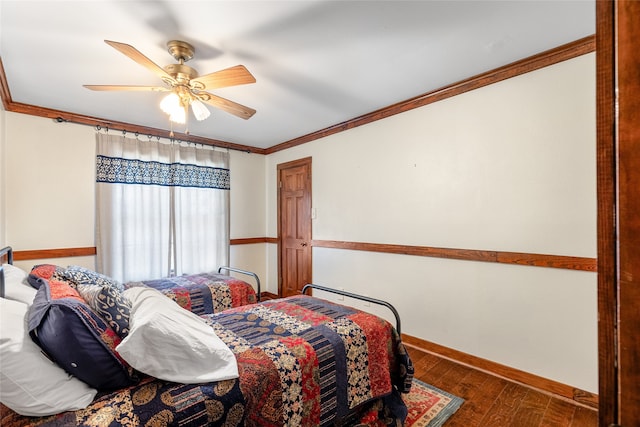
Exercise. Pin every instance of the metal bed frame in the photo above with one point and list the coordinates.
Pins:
(248, 273)
(359, 297)
(7, 253)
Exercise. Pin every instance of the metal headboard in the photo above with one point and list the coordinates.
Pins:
(356, 296)
(7, 253)
(248, 273)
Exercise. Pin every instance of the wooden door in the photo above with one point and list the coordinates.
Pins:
(294, 216)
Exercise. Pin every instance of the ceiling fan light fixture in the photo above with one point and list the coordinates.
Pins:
(178, 116)
(170, 103)
(199, 110)
(185, 86)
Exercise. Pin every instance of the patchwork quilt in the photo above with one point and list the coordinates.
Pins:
(302, 361)
(203, 293)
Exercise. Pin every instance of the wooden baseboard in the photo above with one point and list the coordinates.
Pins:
(267, 295)
(545, 385)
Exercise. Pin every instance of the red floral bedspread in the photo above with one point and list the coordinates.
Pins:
(303, 361)
(203, 293)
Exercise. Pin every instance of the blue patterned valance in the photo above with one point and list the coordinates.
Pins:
(116, 170)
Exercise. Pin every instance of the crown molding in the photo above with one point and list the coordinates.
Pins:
(544, 59)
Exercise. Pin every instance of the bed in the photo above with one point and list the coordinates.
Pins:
(201, 293)
(206, 293)
(300, 361)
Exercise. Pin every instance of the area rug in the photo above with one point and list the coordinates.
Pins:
(429, 406)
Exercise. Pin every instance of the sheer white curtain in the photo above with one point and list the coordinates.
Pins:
(202, 212)
(161, 208)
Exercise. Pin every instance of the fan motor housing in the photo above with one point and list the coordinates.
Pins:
(180, 72)
(180, 50)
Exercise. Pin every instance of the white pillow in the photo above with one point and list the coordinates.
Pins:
(16, 286)
(171, 343)
(31, 384)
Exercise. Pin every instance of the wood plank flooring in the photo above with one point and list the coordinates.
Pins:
(491, 401)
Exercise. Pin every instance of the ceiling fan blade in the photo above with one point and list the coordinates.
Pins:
(229, 106)
(135, 54)
(233, 76)
(128, 88)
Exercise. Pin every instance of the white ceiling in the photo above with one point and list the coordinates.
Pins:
(317, 63)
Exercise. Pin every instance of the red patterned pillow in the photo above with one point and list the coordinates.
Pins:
(46, 272)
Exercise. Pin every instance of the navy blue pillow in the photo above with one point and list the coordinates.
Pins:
(76, 338)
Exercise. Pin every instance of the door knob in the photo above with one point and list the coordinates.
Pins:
(303, 244)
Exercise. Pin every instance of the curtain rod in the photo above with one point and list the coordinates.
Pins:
(105, 126)
(106, 129)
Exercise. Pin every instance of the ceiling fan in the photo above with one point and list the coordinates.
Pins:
(186, 87)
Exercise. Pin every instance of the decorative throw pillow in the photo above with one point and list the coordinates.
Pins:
(104, 296)
(16, 286)
(84, 276)
(46, 272)
(76, 338)
(173, 344)
(32, 384)
(109, 304)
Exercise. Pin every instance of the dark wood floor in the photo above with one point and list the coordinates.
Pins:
(493, 402)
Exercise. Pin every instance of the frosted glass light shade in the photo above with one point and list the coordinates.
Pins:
(199, 109)
(170, 103)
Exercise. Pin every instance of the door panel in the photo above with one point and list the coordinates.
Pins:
(294, 223)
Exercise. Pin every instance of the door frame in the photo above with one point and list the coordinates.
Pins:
(618, 180)
(279, 168)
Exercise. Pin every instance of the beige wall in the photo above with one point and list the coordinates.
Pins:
(49, 177)
(507, 167)
(248, 198)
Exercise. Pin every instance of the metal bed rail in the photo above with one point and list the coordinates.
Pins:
(6, 252)
(248, 273)
(356, 296)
